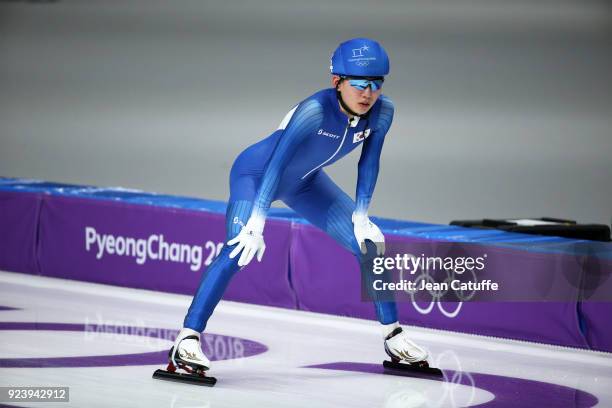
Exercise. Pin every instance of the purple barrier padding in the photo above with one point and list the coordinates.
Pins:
(325, 276)
(71, 230)
(326, 279)
(596, 312)
(541, 322)
(597, 320)
(19, 214)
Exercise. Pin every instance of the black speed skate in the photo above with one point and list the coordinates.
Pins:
(421, 367)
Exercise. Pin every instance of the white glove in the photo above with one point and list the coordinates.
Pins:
(366, 229)
(250, 241)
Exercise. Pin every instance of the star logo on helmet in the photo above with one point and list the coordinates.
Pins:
(365, 48)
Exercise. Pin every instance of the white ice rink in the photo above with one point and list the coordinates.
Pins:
(64, 333)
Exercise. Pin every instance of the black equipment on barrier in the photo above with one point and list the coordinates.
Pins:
(543, 226)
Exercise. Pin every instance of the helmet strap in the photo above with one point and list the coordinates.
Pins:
(344, 105)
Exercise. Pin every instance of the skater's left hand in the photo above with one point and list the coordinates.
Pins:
(250, 242)
(366, 229)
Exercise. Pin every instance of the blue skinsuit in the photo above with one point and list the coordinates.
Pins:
(288, 166)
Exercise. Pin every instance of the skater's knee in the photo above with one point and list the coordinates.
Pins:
(223, 263)
(226, 250)
(370, 252)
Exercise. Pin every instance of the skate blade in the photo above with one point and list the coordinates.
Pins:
(185, 378)
(410, 369)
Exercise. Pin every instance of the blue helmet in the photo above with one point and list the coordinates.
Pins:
(360, 57)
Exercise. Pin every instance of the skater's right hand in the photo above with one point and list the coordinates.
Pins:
(250, 242)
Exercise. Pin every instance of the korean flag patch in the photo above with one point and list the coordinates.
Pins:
(361, 136)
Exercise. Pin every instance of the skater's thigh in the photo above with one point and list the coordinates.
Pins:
(326, 206)
(243, 190)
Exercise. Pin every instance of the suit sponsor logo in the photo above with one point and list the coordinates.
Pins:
(331, 135)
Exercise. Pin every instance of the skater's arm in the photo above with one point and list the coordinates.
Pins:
(369, 161)
(306, 120)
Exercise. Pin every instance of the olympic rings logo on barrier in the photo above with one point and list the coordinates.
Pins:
(436, 295)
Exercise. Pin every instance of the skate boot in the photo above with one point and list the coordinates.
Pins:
(186, 355)
(405, 354)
